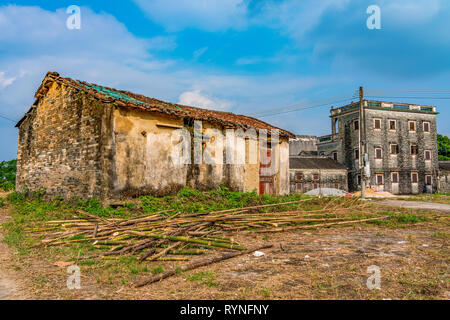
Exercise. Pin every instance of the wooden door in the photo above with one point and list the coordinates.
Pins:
(266, 181)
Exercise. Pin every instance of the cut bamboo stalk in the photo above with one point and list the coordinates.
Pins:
(198, 241)
(262, 206)
(173, 259)
(162, 253)
(319, 225)
(199, 264)
(185, 251)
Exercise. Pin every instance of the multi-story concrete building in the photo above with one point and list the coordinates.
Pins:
(401, 144)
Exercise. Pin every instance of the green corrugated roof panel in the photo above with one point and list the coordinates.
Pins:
(112, 93)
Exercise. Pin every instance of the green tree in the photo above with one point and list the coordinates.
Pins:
(443, 147)
(8, 171)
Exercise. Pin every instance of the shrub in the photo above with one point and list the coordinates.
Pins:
(7, 186)
(8, 171)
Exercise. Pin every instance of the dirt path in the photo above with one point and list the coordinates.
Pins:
(10, 281)
(417, 205)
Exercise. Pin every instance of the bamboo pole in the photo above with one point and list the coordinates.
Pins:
(163, 252)
(197, 241)
(199, 264)
(319, 225)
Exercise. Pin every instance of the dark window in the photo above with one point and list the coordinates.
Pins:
(377, 124)
(359, 180)
(335, 156)
(414, 177)
(428, 180)
(356, 154)
(394, 148)
(392, 124)
(299, 186)
(427, 155)
(316, 176)
(379, 179)
(426, 127)
(414, 149)
(412, 126)
(378, 153)
(336, 186)
(394, 177)
(299, 176)
(356, 124)
(316, 185)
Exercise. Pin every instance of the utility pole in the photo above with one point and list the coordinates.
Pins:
(362, 142)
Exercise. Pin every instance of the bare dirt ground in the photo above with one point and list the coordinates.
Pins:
(319, 264)
(312, 264)
(417, 205)
(12, 282)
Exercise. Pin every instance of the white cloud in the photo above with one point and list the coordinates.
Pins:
(294, 17)
(197, 99)
(103, 51)
(203, 14)
(95, 54)
(410, 13)
(4, 81)
(199, 52)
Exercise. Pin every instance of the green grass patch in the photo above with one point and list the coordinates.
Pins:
(158, 269)
(88, 262)
(205, 277)
(399, 219)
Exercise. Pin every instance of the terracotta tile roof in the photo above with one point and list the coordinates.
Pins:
(129, 99)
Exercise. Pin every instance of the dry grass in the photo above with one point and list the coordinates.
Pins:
(411, 250)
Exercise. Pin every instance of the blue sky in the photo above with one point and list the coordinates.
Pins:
(242, 56)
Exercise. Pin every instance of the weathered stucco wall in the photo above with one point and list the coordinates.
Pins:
(143, 163)
(284, 168)
(60, 147)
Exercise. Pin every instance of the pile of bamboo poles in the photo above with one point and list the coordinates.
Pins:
(162, 236)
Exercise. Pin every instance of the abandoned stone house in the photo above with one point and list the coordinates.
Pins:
(401, 142)
(84, 140)
(308, 170)
(315, 172)
(444, 176)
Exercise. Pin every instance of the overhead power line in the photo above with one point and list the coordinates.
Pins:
(305, 108)
(6, 118)
(386, 94)
(302, 106)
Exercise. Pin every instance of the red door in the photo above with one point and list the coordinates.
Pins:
(266, 181)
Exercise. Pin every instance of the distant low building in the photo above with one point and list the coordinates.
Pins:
(308, 173)
(303, 145)
(444, 176)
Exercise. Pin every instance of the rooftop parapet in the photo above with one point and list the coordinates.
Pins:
(382, 105)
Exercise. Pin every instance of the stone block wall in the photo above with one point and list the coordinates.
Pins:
(60, 147)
